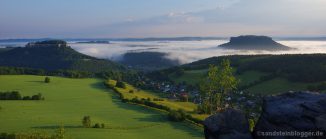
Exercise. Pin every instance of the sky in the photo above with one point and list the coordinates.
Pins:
(160, 18)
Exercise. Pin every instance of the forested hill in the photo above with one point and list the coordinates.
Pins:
(54, 55)
(298, 67)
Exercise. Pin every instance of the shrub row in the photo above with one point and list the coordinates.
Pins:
(149, 103)
(178, 116)
(15, 95)
(158, 99)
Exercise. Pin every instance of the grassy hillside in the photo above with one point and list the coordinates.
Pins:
(273, 86)
(263, 74)
(278, 85)
(68, 100)
(192, 77)
(296, 67)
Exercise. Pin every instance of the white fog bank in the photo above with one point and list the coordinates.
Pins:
(189, 51)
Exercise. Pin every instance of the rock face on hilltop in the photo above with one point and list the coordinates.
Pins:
(231, 124)
(300, 111)
(292, 111)
(48, 43)
(251, 42)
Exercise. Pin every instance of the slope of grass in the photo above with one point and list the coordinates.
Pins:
(274, 86)
(277, 85)
(68, 100)
(192, 77)
(250, 77)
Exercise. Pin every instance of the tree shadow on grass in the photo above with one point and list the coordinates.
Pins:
(153, 116)
(117, 101)
(188, 128)
(35, 81)
(55, 127)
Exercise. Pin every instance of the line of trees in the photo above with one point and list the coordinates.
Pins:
(120, 75)
(177, 116)
(120, 84)
(173, 115)
(31, 71)
(15, 95)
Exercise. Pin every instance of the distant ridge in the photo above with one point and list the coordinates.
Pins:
(251, 42)
(54, 55)
(120, 39)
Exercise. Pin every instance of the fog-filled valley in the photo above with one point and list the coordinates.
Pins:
(188, 51)
(182, 51)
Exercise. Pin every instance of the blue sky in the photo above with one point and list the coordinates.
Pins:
(160, 18)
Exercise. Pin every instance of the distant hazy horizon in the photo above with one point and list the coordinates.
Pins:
(160, 18)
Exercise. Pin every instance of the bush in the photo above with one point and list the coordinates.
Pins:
(27, 98)
(177, 116)
(14, 95)
(120, 84)
(47, 80)
(158, 99)
(86, 121)
(97, 125)
(37, 97)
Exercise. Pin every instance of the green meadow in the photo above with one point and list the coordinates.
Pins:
(192, 77)
(277, 86)
(68, 100)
